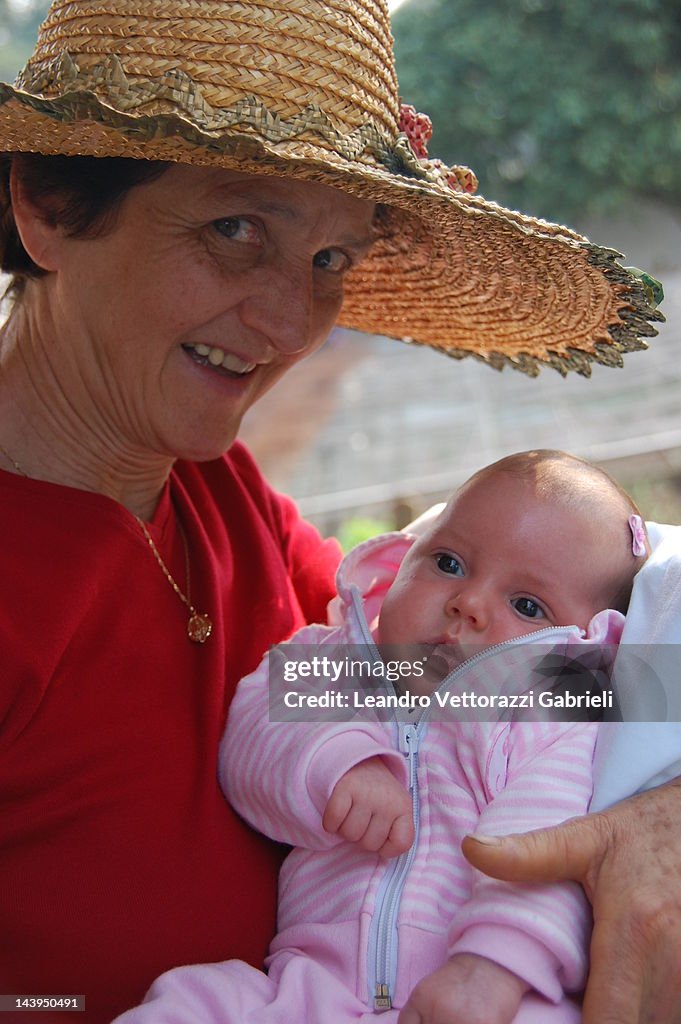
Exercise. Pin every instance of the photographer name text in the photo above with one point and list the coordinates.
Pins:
(446, 699)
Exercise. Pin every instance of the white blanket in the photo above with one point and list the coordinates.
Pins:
(644, 750)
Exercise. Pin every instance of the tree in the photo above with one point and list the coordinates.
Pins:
(560, 106)
(18, 31)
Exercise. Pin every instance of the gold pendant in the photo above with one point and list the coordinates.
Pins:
(199, 628)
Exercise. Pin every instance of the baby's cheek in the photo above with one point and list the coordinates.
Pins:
(386, 618)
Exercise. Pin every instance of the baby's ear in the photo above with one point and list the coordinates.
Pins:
(419, 526)
(37, 224)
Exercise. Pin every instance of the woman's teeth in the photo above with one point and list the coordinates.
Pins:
(224, 360)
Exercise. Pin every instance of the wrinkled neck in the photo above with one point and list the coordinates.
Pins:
(54, 423)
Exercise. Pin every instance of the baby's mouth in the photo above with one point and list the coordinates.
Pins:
(445, 656)
(218, 359)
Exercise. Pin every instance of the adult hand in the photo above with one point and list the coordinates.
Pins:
(628, 860)
(368, 806)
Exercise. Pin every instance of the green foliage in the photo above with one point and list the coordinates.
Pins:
(353, 531)
(560, 106)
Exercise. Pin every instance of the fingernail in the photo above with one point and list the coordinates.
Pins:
(486, 840)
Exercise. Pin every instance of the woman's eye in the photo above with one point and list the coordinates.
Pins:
(450, 565)
(527, 607)
(238, 228)
(334, 260)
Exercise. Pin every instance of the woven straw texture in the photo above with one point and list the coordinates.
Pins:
(308, 89)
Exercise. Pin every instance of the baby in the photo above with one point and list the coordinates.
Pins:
(378, 910)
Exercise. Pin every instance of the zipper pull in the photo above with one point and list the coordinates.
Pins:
(382, 1000)
(409, 746)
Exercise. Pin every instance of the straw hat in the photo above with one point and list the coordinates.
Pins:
(307, 89)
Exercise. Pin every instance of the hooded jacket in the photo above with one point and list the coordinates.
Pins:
(381, 925)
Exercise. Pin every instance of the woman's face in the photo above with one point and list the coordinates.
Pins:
(210, 286)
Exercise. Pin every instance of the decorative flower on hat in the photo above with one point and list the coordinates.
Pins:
(418, 128)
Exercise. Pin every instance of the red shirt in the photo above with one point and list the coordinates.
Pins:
(119, 857)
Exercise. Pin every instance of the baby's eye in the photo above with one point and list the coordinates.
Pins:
(449, 564)
(527, 607)
(334, 260)
(240, 229)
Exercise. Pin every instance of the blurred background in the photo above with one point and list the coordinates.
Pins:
(567, 110)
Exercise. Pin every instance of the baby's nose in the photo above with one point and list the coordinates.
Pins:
(468, 605)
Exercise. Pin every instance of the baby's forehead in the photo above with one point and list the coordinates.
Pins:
(498, 506)
(577, 488)
(446, 526)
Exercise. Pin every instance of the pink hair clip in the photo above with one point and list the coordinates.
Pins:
(638, 536)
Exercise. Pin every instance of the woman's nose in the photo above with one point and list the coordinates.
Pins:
(281, 308)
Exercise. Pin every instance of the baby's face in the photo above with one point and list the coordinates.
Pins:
(499, 563)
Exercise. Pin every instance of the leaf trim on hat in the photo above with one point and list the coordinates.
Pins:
(60, 86)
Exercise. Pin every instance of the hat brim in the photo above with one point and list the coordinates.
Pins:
(455, 272)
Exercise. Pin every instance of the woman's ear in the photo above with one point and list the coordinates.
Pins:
(36, 223)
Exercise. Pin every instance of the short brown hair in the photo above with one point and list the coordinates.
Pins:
(82, 193)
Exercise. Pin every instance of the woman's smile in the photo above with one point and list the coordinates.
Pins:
(209, 287)
(217, 359)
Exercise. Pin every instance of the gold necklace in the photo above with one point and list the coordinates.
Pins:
(10, 459)
(200, 625)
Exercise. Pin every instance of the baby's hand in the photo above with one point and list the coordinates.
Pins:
(368, 806)
(468, 989)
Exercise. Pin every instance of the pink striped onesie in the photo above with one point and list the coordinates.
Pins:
(352, 924)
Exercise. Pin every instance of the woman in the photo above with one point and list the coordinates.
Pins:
(210, 181)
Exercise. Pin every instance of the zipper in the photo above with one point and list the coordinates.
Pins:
(382, 968)
(518, 641)
(383, 944)
(358, 606)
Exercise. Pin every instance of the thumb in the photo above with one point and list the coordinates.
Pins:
(568, 851)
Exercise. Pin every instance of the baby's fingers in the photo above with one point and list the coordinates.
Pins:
(370, 807)
(346, 817)
(400, 837)
(337, 810)
(388, 835)
(375, 832)
(356, 824)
